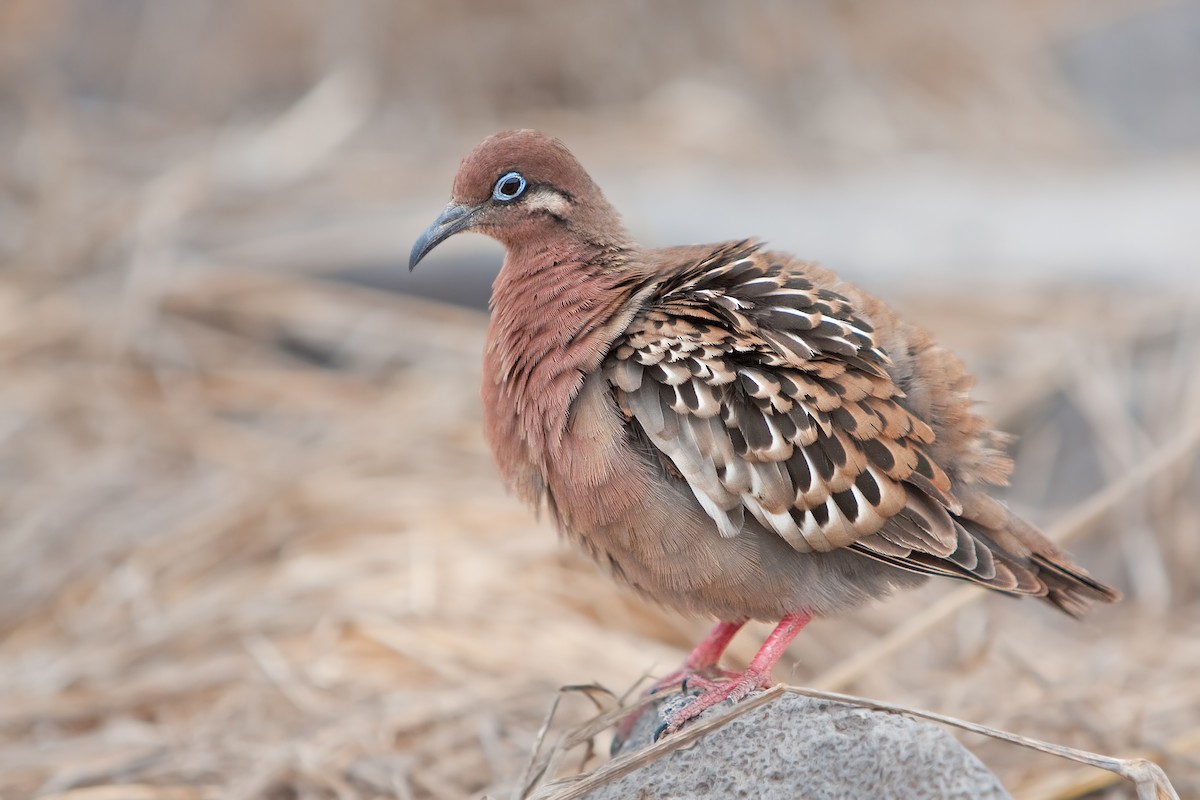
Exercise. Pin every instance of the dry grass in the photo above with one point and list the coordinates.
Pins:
(264, 553)
(251, 541)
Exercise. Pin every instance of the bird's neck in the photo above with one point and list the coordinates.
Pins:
(557, 305)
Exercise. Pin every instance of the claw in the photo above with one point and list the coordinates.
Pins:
(714, 694)
(715, 685)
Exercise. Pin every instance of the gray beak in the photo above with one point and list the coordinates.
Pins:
(454, 219)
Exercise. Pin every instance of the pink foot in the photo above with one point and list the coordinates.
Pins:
(756, 676)
(686, 678)
(713, 680)
(715, 693)
(699, 665)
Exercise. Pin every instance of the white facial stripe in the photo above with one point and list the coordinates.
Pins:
(544, 199)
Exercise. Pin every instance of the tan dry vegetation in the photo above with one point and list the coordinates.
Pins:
(265, 553)
(251, 541)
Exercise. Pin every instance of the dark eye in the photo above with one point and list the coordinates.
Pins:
(509, 187)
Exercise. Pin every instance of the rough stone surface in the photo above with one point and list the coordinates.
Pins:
(801, 747)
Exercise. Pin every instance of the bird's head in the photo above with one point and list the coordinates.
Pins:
(519, 186)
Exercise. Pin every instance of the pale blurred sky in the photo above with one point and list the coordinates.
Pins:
(995, 140)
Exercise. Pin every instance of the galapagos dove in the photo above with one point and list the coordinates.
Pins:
(729, 430)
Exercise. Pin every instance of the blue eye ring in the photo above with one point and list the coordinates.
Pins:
(510, 186)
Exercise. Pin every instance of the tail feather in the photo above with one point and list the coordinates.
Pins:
(1068, 586)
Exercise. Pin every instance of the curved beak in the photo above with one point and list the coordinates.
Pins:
(454, 219)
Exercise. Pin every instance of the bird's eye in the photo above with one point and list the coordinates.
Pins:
(509, 187)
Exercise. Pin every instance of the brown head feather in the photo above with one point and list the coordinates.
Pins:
(560, 195)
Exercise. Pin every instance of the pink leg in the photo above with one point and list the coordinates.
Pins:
(709, 651)
(756, 676)
(703, 658)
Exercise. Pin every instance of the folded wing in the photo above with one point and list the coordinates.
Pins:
(771, 398)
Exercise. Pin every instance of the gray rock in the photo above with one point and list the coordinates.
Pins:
(801, 747)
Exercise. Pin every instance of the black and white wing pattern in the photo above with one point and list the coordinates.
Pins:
(770, 396)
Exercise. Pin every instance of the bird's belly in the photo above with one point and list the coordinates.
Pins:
(622, 506)
(650, 532)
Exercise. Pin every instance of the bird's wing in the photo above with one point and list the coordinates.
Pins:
(770, 395)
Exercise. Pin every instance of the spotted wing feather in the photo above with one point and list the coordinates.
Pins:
(771, 397)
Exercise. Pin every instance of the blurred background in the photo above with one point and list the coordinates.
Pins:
(251, 541)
